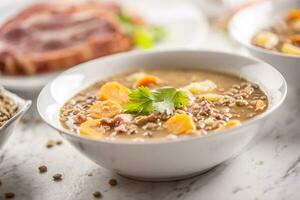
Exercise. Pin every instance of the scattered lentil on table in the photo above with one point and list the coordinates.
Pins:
(112, 182)
(9, 195)
(57, 177)
(43, 169)
(97, 194)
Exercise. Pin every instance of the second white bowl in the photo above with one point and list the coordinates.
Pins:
(249, 21)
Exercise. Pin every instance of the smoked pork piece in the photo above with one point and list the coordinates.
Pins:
(51, 37)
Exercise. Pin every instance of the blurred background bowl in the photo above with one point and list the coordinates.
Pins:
(249, 21)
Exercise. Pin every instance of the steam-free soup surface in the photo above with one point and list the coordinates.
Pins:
(152, 104)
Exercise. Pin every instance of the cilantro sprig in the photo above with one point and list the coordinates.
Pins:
(143, 101)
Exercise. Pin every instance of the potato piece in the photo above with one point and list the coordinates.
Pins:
(147, 80)
(293, 14)
(260, 105)
(233, 123)
(105, 109)
(266, 40)
(212, 97)
(136, 76)
(92, 128)
(290, 49)
(180, 124)
(201, 87)
(114, 91)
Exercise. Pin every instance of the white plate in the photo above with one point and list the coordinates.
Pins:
(187, 27)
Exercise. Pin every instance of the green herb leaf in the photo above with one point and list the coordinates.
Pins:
(126, 23)
(141, 101)
(177, 97)
(171, 99)
(164, 100)
(145, 36)
(180, 99)
(164, 107)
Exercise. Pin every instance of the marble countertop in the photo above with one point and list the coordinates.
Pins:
(267, 169)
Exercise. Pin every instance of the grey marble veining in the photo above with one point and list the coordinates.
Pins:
(268, 169)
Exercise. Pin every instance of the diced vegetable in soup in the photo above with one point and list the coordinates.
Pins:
(156, 104)
(283, 36)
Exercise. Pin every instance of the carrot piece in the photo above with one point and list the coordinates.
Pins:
(233, 123)
(293, 14)
(104, 109)
(180, 124)
(147, 80)
(295, 38)
(92, 128)
(114, 91)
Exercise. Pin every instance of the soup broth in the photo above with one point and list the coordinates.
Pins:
(153, 104)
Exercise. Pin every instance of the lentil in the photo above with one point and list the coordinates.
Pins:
(112, 182)
(59, 142)
(57, 177)
(9, 195)
(50, 143)
(43, 169)
(97, 194)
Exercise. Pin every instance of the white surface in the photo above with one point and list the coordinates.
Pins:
(186, 27)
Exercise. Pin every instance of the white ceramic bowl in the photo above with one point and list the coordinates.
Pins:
(187, 27)
(249, 21)
(7, 129)
(164, 159)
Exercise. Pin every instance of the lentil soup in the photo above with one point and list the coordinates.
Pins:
(282, 36)
(161, 103)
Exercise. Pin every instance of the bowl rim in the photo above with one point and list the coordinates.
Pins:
(247, 44)
(212, 134)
